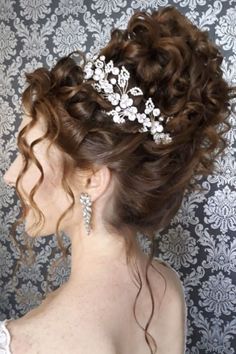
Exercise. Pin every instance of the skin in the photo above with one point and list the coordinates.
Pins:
(95, 259)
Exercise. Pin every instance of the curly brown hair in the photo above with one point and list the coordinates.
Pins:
(176, 64)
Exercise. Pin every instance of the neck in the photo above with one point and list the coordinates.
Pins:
(98, 255)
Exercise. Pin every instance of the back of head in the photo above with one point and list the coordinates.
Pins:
(175, 64)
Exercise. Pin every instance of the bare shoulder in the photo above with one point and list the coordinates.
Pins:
(171, 323)
(173, 282)
(38, 336)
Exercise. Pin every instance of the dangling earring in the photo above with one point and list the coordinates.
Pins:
(85, 200)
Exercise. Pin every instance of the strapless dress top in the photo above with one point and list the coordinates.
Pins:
(5, 338)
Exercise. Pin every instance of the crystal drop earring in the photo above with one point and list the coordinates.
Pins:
(85, 200)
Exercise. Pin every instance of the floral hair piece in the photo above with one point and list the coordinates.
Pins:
(151, 119)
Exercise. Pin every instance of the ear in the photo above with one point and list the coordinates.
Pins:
(97, 182)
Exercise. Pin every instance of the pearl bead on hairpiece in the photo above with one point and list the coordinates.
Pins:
(151, 119)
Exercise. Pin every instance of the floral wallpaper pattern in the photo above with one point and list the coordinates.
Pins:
(200, 242)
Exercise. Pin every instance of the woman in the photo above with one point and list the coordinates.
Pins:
(112, 144)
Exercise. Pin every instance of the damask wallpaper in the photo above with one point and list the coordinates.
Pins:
(200, 242)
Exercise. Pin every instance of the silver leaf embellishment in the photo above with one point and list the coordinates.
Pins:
(136, 91)
(123, 77)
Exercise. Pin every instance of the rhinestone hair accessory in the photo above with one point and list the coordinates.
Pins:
(151, 119)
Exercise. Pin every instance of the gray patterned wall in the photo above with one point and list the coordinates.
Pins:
(200, 242)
